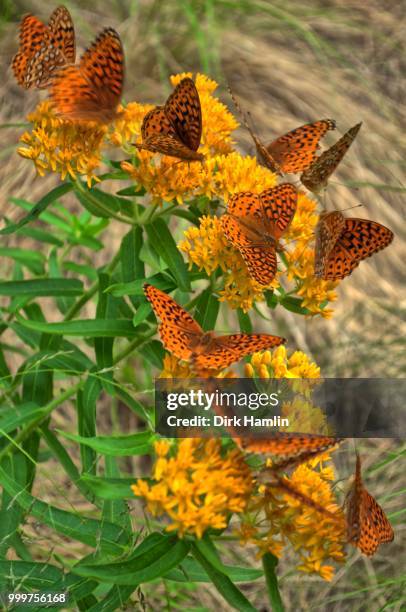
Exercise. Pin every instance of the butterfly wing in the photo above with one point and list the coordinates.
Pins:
(259, 257)
(156, 123)
(328, 230)
(316, 176)
(296, 150)
(63, 33)
(375, 528)
(359, 239)
(178, 329)
(57, 49)
(184, 113)
(290, 445)
(32, 34)
(92, 90)
(225, 350)
(367, 524)
(278, 207)
(169, 145)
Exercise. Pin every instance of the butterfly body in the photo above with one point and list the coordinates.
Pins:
(175, 129)
(254, 223)
(367, 524)
(44, 48)
(184, 337)
(91, 90)
(316, 176)
(341, 244)
(292, 152)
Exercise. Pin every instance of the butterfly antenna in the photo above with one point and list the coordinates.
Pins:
(351, 207)
(244, 115)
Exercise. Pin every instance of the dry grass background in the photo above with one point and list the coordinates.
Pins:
(289, 62)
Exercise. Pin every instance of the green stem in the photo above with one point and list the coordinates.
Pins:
(105, 209)
(133, 345)
(93, 289)
(269, 563)
(25, 433)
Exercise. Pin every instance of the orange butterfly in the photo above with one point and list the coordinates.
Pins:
(91, 91)
(294, 151)
(290, 445)
(175, 129)
(183, 336)
(315, 178)
(367, 524)
(43, 48)
(255, 223)
(341, 244)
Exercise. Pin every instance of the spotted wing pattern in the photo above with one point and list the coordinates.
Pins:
(290, 445)
(367, 524)
(92, 90)
(225, 350)
(315, 178)
(255, 223)
(296, 150)
(341, 244)
(44, 49)
(175, 129)
(178, 330)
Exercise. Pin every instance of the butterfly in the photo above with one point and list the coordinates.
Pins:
(44, 48)
(91, 90)
(341, 244)
(315, 177)
(367, 524)
(183, 336)
(255, 223)
(175, 129)
(294, 151)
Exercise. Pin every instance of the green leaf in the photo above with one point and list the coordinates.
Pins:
(92, 328)
(135, 406)
(33, 260)
(244, 321)
(221, 581)
(86, 406)
(40, 236)
(152, 559)
(162, 240)
(153, 352)
(38, 208)
(136, 287)
(29, 575)
(11, 514)
(114, 600)
(293, 304)
(115, 510)
(107, 308)
(269, 563)
(206, 310)
(191, 571)
(117, 446)
(131, 265)
(109, 488)
(43, 287)
(61, 454)
(70, 525)
(99, 203)
(142, 313)
(21, 414)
